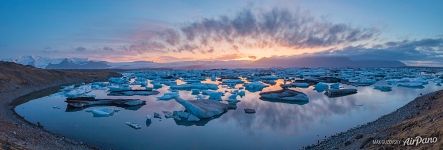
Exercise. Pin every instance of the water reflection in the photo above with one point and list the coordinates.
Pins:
(293, 125)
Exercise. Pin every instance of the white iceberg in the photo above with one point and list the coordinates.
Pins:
(102, 112)
(203, 108)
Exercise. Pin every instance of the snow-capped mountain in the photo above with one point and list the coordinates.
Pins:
(43, 62)
(36, 61)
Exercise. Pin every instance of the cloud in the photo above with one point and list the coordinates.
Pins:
(250, 29)
(108, 49)
(252, 57)
(229, 57)
(80, 49)
(412, 52)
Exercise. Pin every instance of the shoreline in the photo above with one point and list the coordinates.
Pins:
(16, 83)
(48, 91)
(23, 133)
(422, 117)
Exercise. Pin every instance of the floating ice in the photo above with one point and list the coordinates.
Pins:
(195, 91)
(255, 86)
(215, 96)
(201, 86)
(320, 87)
(133, 125)
(340, 92)
(383, 88)
(284, 95)
(168, 114)
(335, 86)
(168, 96)
(102, 112)
(203, 108)
(412, 85)
(157, 115)
(249, 110)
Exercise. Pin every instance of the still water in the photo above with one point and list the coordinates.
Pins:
(274, 125)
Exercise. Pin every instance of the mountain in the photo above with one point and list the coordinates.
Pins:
(281, 61)
(323, 61)
(70, 64)
(36, 61)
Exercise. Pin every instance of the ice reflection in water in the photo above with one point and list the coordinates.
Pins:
(274, 125)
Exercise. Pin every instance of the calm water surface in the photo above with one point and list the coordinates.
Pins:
(273, 126)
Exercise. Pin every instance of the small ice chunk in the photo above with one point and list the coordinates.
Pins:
(133, 125)
(157, 115)
(102, 112)
(233, 98)
(168, 114)
(249, 110)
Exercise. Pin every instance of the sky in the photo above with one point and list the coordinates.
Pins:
(180, 30)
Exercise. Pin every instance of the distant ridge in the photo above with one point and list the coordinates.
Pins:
(68, 64)
(267, 62)
(324, 61)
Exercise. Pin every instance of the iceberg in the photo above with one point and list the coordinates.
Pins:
(335, 86)
(117, 80)
(412, 85)
(255, 86)
(81, 102)
(168, 96)
(116, 88)
(201, 86)
(157, 85)
(320, 87)
(233, 98)
(133, 125)
(79, 91)
(249, 110)
(195, 91)
(301, 85)
(215, 96)
(140, 92)
(157, 115)
(102, 112)
(284, 95)
(168, 114)
(203, 108)
(383, 88)
(340, 92)
(241, 93)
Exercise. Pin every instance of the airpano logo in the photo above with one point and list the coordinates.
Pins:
(412, 141)
(419, 140)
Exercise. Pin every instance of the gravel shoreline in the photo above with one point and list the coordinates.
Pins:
(15, 86)
(392, 126)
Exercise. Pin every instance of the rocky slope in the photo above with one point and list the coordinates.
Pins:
(420, 119)
(19, 80)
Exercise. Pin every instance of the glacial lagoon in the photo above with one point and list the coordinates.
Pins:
(274, 125)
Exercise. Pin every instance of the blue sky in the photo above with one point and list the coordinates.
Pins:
(82, 28)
